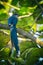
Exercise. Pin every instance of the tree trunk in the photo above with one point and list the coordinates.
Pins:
(24, 33)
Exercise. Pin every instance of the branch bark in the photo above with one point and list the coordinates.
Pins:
(24, 33)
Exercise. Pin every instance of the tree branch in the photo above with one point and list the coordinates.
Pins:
(23, 16)
(4, 3)
(24, 33)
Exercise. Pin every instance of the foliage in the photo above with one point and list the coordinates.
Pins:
(35, 53)
(3, 16)
(3, 40)
(25, 9)
(41, 28)
(29, 51)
